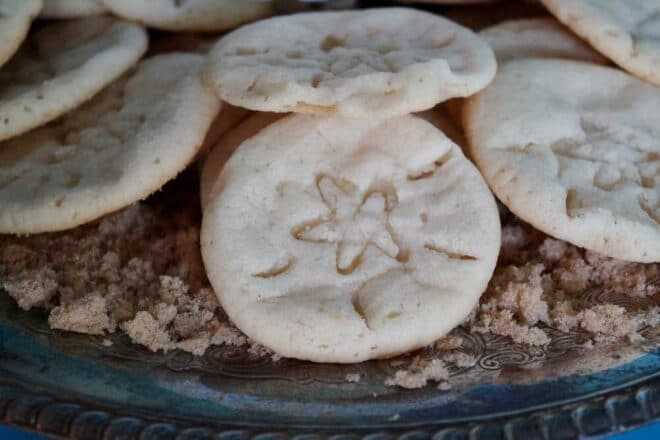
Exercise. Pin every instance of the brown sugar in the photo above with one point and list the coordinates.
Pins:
(139, 271)
(419, 374)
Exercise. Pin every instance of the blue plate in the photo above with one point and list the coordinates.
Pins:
(74, 386)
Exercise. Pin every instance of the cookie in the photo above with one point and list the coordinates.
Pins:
(443, 121)
(572, 148)
(191, 15)
(227, 119)
(530, 38)
(116, 149)
(325, 240)
(625, 31)
(225, 147)
(71, 8)
(537, 38)
(376, 62)
(15, 19)
(62, 66)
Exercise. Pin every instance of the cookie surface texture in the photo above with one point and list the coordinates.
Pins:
(572, 148)
(537, 38)
(15, 19)
(191, 15)
(62, 66)
(340, 240)
(376, 62)
(626, 31)
(225, 146)
(71, 8)
(113, 151)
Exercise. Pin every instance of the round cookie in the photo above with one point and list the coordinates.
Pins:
(113, 151)
(71, 8)
(228, 118)
(191, 15)
(227, 143)
(443, 121)
(15, 19)
(325, 239)
(62, 66)
(376, 62)
(572, 148)
(626, 31)
(537, 38)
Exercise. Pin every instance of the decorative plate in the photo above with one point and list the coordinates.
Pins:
(73, 386)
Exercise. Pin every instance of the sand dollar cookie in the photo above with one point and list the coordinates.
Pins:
(15, 19)
(226, 145)
(572, 148)
(71, 8)
(626, 31)
(113, 151)
(62, 66)
(191, 15)
(377, 62)
(537, 38)
(340, 240)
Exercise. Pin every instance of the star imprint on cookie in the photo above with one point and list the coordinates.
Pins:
(353, 223)
(621, 159)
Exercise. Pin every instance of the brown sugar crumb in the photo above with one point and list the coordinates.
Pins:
(88, 314)
(609, 321)
(503, 322)
(32, 289)
(353, 377)
(449, 342)
(418, 375)
(460, 359)
(144, 269)
(541, 282)
(144, 329)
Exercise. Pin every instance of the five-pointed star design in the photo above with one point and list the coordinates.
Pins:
(353, 223)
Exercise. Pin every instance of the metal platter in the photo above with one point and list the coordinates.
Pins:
(74, 386)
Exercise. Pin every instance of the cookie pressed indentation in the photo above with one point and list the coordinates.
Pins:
(651, 208)
(614, 149)
(572, 202)
(278, 268)
(353, 223)
(357, 307)
(330, 42)
(450, 254)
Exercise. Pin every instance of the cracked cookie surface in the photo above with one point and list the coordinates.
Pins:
(378, 62)
(626, 31)
(351, 239)
(573, 149)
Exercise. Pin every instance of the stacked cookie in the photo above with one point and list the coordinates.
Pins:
(339, 223)
(351, 229)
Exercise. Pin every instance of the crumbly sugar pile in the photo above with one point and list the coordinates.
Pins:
(540, 283)
(139, 271)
